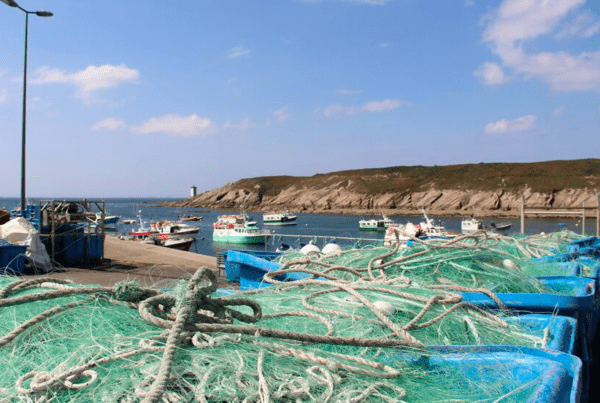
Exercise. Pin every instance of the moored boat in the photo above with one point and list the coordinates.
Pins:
(468, 225)
(373, 224)
(237, 229)
(427, 229)
(285, 218)
(192, 218)
(165, 233)
(502, 226)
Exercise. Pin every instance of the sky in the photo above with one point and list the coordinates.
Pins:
(147, 98)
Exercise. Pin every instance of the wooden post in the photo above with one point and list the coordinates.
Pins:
(523, 212)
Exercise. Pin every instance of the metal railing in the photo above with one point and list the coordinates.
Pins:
(562, 211)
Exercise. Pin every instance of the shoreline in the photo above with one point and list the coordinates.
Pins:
(590, 212)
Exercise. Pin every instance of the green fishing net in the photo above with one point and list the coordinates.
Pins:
(340, 341)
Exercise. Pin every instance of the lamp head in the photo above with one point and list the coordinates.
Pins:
(10, 3)
(42, 13)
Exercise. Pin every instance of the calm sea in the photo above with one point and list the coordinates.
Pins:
(319, 227)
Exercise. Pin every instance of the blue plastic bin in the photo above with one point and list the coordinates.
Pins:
(557, 376)
(93, 247)
(12, 258)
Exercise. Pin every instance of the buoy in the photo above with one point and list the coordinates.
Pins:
(330, 248)
(310, 248)
(509, 264)
(384, 307)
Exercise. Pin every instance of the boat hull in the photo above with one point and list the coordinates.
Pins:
(240, 239)
(179, 244)
(293, 222)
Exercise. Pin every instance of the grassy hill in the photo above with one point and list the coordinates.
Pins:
(540, 177)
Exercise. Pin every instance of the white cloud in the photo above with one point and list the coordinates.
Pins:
(517, 21)
(584, 25)
(237, 52)
(521, 124)
(559, 111)
(3, 95)
(491, 73)
(374, 107)
(281, 114)
(109, 124)
(91, 79)
(343, 91)
(176, 125)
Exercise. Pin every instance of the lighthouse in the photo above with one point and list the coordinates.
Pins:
(193, 191)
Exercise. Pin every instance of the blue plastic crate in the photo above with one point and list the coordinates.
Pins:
(93, 247)
(12, 258)
(232, 268)
(562, 330)
(557, 376)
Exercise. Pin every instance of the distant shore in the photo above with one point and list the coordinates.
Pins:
(590, 213)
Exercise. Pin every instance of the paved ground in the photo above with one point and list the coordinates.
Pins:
(148, 264)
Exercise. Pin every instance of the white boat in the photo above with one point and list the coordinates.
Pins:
(192, 218)
(375, 224)
(427, 229)
(469, 225)
(502, 226)
(180, 242)
(176, 242)
(285, 218)
(237, 229)
(165, 233)
(109, 219)
(128, 221)
(165, 227)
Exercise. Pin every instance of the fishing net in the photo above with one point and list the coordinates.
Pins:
(493, 262)
(314, 340)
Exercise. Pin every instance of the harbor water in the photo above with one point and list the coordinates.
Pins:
(320, 228)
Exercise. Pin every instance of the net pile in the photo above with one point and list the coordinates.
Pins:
(327, 340)
(493, 262)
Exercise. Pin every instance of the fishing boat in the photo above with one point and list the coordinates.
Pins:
(109, 219)
(165, 233)
(285, 218)
(375, 224)
(501, 226)
(237, 229)
(192, 218)
(469, 225)
(175, 242)
(427, 229)
(127, 221)
(166, 227)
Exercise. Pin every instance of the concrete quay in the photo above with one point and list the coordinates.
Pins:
(150, 265)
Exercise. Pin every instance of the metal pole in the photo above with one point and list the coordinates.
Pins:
(522, 213)
(583, 221)
(23, 142)
(598, 214)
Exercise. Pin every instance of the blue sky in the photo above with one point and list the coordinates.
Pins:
(146, 98)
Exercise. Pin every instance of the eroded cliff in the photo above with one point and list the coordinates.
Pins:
(482, 189)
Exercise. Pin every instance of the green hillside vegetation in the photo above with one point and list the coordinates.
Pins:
(543, 177)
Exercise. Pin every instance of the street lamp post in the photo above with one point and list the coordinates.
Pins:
(12, 3)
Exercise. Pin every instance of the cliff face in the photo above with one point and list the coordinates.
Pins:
(491, 190)
(334, 200)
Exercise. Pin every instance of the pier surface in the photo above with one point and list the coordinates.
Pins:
(149, 265)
